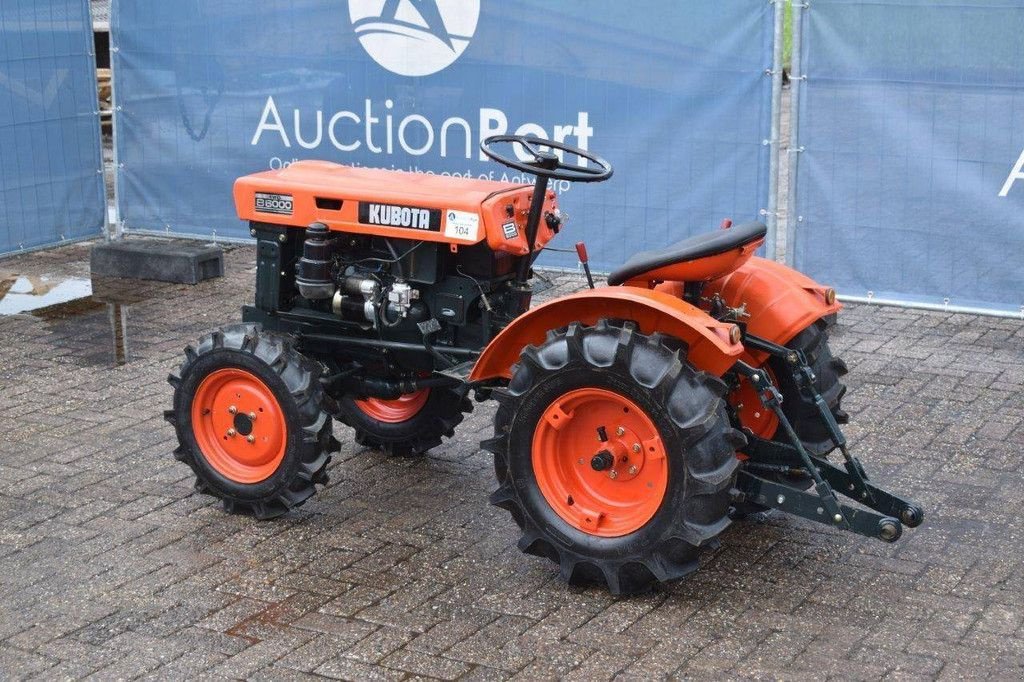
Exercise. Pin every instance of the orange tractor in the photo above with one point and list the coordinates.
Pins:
(634, 420)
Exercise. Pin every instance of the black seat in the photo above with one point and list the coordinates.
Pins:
(692, 248)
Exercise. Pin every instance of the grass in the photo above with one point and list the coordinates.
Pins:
(787, 35)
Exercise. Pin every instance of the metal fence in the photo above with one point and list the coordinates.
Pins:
(676, 95)
(51, 182)
(910, 186)
(905, 153)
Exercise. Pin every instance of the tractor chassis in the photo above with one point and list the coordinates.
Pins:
(886, 514)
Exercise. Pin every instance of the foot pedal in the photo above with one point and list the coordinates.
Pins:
(460, 372)
(428, 327)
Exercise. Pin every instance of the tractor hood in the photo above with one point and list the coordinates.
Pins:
(392, 204)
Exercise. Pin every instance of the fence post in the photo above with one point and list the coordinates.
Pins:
(774, 138)
(796, 79)
(108, 227)
(114, 109)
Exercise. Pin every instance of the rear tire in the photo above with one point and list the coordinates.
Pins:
(433, 418)
(828, 370)
(642, 544)
(239, 371)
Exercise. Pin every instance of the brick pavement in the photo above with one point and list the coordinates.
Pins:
(112, 567)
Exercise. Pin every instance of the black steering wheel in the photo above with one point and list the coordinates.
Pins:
(545, 162)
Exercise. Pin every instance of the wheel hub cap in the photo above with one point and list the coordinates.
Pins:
(243, 424)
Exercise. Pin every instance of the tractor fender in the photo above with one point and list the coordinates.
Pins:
(781, 302)
(709, 341)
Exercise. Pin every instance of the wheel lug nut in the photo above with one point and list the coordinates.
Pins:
(620, 431)
(613, 474)
(632, 470)
(231, 432)
(636, 447)
(251, 438)
(233, 409)
(252, 416)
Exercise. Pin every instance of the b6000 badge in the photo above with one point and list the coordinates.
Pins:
(274, 203)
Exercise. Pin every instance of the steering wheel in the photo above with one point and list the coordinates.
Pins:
(545, 162)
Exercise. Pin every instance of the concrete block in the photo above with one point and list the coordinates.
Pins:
(163, 261)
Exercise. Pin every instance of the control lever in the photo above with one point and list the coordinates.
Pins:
(581, 251)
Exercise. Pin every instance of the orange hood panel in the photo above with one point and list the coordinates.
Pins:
(458, 211)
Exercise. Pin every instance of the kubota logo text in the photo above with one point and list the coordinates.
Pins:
(400, 216)
(414, 37)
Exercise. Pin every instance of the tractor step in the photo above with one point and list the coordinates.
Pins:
(459, 372)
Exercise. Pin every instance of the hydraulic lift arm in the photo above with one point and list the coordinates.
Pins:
(774, 457)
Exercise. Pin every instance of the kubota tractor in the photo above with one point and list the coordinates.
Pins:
(634, 420)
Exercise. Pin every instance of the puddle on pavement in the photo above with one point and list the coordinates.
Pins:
(21, 294)
(77, 305)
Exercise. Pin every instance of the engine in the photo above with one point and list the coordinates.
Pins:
(388, 287)
(355, 293)
(390, 274)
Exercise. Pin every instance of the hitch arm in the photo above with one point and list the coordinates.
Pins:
(752, 488)
(823, 507)
(804, 378)
(772, 400)
(772, 456)
(872, 496)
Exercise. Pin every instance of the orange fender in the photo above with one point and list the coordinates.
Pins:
(710, 344)
(781, 302)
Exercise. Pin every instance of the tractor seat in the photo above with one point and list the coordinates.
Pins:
(657, 264)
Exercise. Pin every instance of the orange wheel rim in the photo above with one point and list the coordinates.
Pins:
(619, 498)
(761, 421)
(395, 411)
(239, 425)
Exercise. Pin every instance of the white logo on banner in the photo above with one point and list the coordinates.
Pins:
(414, 37)
(1017, 173)
(411, 38)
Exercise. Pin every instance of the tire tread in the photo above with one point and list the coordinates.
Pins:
(696, 408)
(301, 380)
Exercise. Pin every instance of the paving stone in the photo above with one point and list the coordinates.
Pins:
(426, 665)
(19, 664)
(342, 668)
(114, 567)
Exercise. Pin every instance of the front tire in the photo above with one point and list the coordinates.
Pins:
(408, 426)
(248, 413)
(668, 438)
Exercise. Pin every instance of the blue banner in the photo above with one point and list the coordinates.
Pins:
(675, 95)
(51, 181)
(911, 182)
